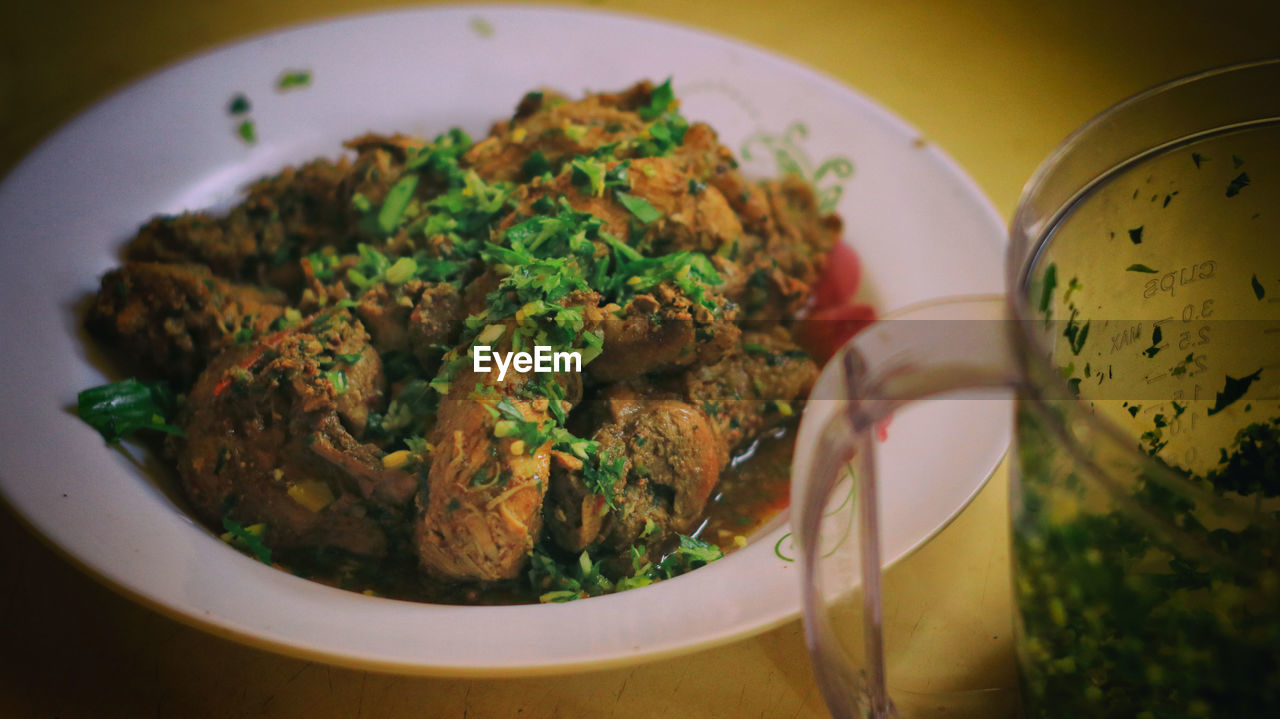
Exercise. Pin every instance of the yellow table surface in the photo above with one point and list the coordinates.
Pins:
(995, 84)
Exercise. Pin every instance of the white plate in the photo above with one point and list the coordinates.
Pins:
(167, 143)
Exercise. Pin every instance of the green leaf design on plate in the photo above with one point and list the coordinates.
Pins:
(826, 177)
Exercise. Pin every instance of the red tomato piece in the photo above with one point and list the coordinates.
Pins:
(840, 278)
(826, 330)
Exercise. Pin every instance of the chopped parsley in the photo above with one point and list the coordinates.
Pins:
(638, 206)
(1049, 284)
(536, 165)
(602, 473)
(121, 409)
(588, 175)
(338, 379)
(1157, 335)
(1232, 390)
(659, 101)
(564, 580)
(293, 79)
(1238, 183)
(393, 207)
(481, 27)
(1128, 608)
(247, 131)
(248, 539)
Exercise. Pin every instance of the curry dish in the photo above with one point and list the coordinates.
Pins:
(311, 351)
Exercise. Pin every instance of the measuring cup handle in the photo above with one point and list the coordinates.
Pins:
(945, 346)
(951, 345)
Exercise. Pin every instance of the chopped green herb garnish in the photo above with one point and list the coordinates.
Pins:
(247, 131)
(1233, 390)
(120, 409)
(659, 100)
(481, 27)
(638, 206)
(1135, 235)
(1238, 183)
(1050, 283)
(401, 271)
(588, 175)
(239, 104)
(338, 379)
(536, 165)
(1258, 290)
(292, 79)
(582, 576)
(1140, 268)
(1157, 335)
(397, 201)
(247, 538)
(602, 474)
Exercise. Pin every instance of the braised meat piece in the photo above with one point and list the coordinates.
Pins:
(272, 437)
(416, 316)
(675, 434)
(557, 129)
(434, 324)
(662, 331)
(671, 461)
(174, 318)
(752, 390)
(481, 511)
(690, 215)
(549, 126)
(282, 218)
(771, 278)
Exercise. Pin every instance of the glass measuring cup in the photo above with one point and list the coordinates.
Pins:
(1141, 334)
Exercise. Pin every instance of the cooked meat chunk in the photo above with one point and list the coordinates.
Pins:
(558, 129)
(788, 242)
(417, 316)
(482, 509)
(693, 216)
(675, 435)
(259, 241)
(753, 389)
(659, 332)
(271, 437)
(483, 506)
(174, 318)
(671, 463)
(379, 164)
(434, 324)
